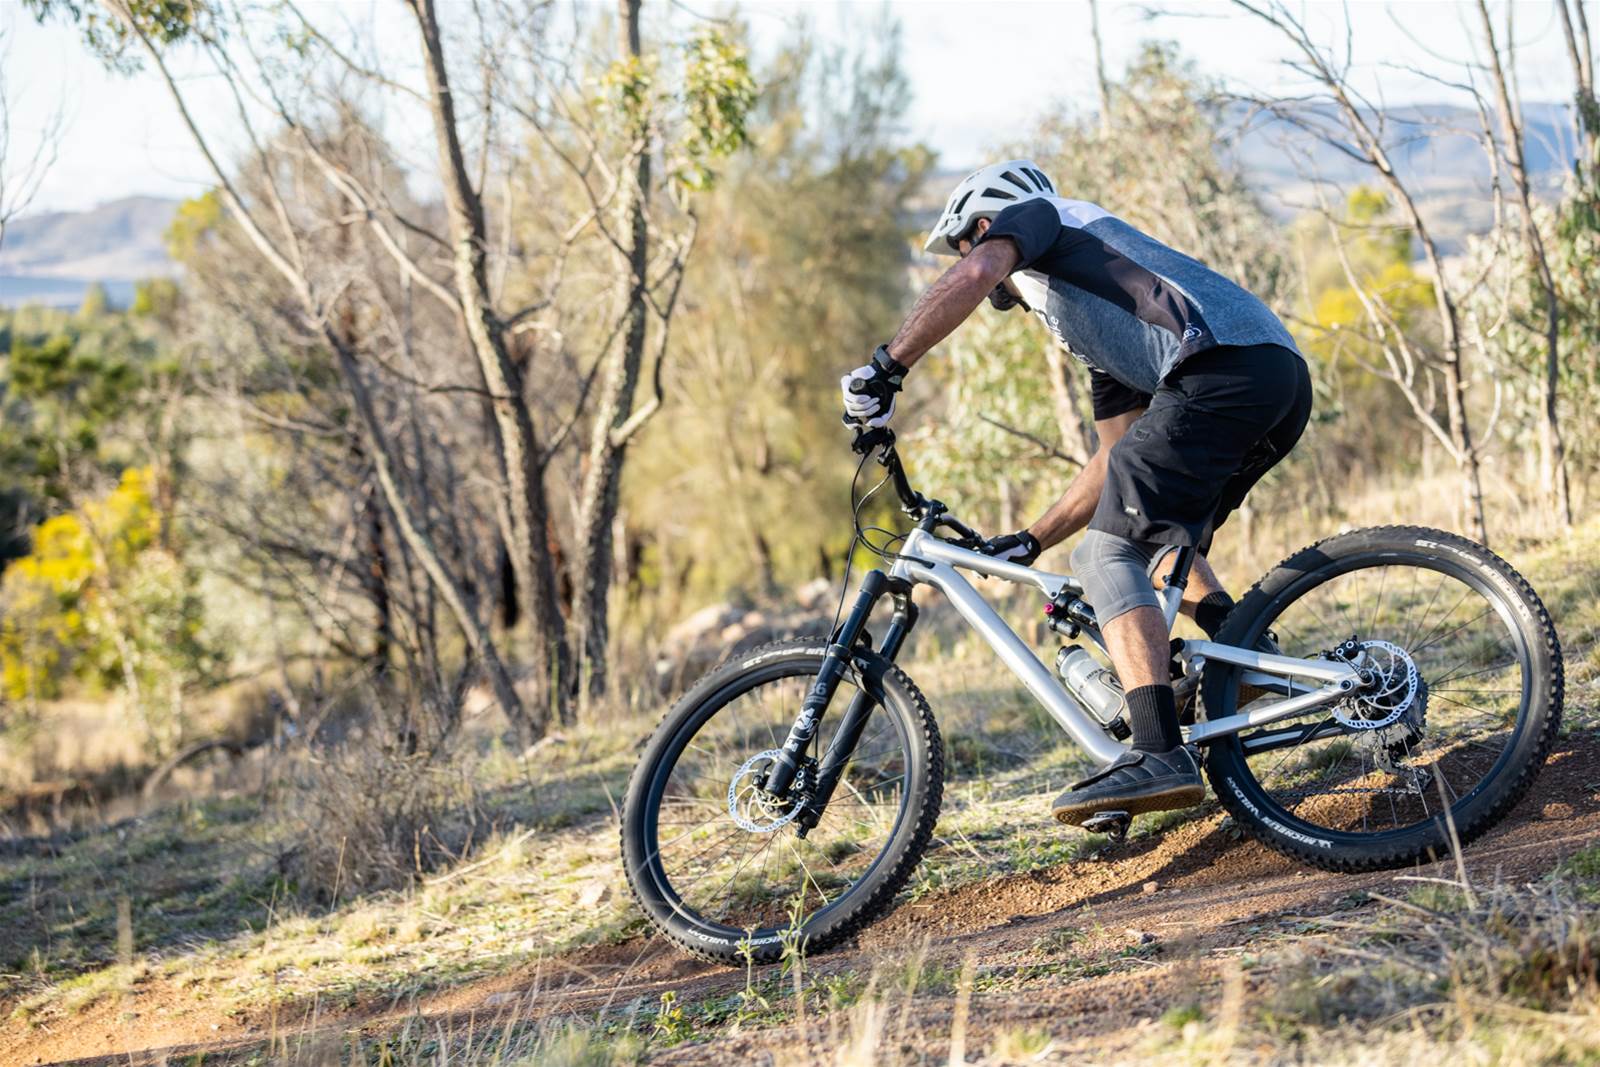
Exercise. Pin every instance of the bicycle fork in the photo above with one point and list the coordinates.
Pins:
(841, 652)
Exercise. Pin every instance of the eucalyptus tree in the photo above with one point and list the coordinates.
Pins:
(491, 84)
(1338, 116)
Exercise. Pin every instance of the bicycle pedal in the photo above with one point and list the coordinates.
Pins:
(1114, 823)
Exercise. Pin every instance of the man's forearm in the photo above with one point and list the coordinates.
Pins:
(942, 307)
(947, 302)
(1076, 507)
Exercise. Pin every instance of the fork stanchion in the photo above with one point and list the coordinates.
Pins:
(833, 667)
(845, 739)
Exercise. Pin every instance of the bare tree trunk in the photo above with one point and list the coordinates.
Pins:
(1552, 448)
(375, 577)
(374, 573)
(1371, 149)
(421, 545)
(592, 560)
(1073, 427)
(410, 532)
(525, 495)
(1580, 52)
(1100, 68)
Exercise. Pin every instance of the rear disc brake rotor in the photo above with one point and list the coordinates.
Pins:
(1390, 686)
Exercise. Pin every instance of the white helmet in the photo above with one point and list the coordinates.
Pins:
(983, 194)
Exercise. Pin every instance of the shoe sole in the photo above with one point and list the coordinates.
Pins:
(1179, 796)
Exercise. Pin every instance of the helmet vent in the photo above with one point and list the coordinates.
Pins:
(961, 203)
(1044, 183)
(1014, 180)
(999, 194)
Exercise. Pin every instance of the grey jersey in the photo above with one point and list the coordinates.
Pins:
(1121, 301)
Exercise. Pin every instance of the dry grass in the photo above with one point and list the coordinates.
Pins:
(1511, 980)
(366, 820)
(246, 904)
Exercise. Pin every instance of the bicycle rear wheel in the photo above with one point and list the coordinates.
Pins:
(1467, 704)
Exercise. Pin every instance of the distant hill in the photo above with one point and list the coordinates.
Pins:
(53, 257)
(1436, 148)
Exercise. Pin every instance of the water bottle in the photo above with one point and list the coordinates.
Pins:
(1095, 687)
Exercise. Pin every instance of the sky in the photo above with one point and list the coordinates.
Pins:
(979, 72)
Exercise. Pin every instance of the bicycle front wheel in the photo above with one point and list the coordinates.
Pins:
(727, 875)
(1462, 705)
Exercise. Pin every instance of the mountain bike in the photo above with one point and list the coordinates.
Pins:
(1374, 696)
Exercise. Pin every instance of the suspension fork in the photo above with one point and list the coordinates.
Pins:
(834, 665)
(855, 718)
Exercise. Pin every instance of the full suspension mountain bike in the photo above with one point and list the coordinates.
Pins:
(1371, 695)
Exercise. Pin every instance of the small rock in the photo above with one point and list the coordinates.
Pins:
(1142, 937)
(593, 893)
(1149, 888)
(702, 622)
(811, 593)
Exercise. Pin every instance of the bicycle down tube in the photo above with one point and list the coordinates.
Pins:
(928, 559)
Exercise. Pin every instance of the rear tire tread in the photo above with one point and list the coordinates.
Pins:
(1508, 794)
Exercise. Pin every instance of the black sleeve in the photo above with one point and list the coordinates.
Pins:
(1087, 262)
(1110, 397)
(1033, 227)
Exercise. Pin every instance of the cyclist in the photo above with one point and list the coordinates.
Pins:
(1198, 390)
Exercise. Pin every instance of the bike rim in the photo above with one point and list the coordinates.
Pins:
(753, 885)
(1476, 671)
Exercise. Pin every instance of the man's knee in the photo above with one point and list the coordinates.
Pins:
(1115, 574)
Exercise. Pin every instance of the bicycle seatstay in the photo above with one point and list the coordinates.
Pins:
(1341, 679)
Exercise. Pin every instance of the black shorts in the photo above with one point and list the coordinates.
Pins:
(1217, 423)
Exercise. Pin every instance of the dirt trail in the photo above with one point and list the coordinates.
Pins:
(1193, 889)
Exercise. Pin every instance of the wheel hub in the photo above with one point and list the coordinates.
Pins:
(751, 807)
(1390, 684)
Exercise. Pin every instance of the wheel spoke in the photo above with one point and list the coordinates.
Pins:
(733, 877)
(1360, 780)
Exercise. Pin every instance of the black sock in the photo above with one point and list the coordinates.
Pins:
(1211, 610)
(1153, 715)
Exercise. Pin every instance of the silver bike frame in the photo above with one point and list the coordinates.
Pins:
(926, 559)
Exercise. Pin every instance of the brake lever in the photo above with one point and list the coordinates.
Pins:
(966, 537)
(868, 437)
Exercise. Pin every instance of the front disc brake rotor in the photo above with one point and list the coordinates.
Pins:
(750, 807)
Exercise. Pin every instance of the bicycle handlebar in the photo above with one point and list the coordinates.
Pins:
(882, 438)
(914, 503)
(919, 507)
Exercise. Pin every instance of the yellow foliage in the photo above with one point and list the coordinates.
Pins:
(48, 596)
(194, 220)
(1380, 263)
